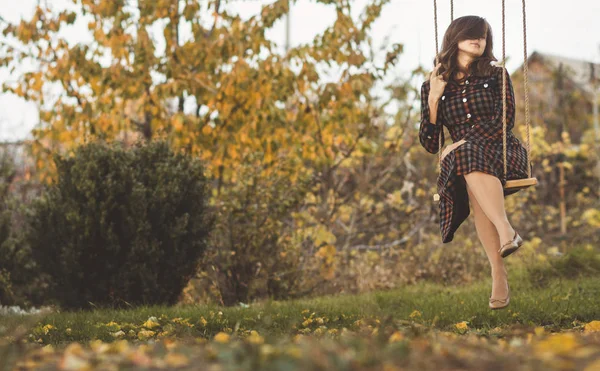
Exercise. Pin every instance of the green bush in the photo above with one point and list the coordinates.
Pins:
(251, 254)
(121, 227)
(577, 262)
(20, 283)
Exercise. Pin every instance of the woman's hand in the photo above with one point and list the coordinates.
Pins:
(436, 83)
(452, 147)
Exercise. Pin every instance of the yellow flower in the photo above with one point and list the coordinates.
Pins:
(203, 321)
(461, 325)
(222, 337)
(396, 336)
(593, 326)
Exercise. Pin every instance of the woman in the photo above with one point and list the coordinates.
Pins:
(464, 93)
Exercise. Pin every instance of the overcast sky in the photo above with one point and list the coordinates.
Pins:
(565, 28)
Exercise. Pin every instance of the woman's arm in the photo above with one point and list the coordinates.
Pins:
(492, 130)
(430, 127)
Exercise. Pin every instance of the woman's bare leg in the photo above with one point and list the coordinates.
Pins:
(488, 192)
(488, 235)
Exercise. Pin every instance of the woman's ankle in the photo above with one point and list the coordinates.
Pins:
(499, 271)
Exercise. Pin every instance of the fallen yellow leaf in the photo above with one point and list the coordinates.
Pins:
(145, 334)
(559, 344)
(151, 323)
(593, 326)
(176, 360)
(396, 336)
(222, 337)
(462, 325)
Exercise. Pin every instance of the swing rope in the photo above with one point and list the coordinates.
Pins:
(526, 85)
(437, 59)
(504, 86)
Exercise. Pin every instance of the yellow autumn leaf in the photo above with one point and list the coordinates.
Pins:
(255, 338)
(326, 252)
(47, 329)
(151, 323)
(593, 326)
(222, 337)
(594, 366)
(145, 334)
(461, 325)
(323, 235)
(415, 313)
(396, 336)
(556, 344)
(176, 360)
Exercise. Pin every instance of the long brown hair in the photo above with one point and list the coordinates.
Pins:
(466, 28)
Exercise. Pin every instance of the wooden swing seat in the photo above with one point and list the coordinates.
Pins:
(510, 184)
(520, 183)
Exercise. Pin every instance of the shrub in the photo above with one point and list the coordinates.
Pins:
(577, 262)
(251, 254)
(20, 283)
(121, 227)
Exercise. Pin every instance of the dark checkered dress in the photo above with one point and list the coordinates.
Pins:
(471, 111)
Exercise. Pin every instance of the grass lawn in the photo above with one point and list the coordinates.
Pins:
(551, 324)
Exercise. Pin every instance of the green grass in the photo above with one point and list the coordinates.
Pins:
(558, 303)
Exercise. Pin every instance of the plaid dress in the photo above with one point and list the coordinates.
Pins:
(471, 111)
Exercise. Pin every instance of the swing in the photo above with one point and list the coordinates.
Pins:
(512, 183)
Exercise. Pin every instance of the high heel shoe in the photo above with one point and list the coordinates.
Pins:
(500, 303)
(511, 246)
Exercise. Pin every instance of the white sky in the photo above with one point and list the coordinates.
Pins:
(565, 28)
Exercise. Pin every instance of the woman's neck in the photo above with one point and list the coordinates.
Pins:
(464, 60)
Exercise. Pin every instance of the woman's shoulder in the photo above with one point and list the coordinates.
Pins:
(497, 71)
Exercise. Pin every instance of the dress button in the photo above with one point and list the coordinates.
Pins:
(485, 85)
(467, 82)
(429, 136)
(464, 99)
(443, 97)
(464, 91)
(472, 126)
(468, 115)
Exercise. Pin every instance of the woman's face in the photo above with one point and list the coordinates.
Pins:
(472, 47)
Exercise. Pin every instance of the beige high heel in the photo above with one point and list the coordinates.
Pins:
(511, 246)
(500, 303)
